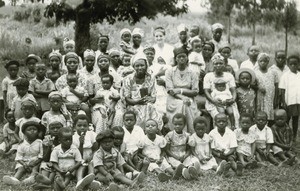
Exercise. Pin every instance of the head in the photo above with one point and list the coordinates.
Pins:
(246, 121)
(263, 60)
(194, 31)
(106, 140)
(140, 66)
(150, 53)
(293, 62)
(54, 127)
(126, 59)
(280, 117)
(28, 108)
(72, 80)
(220, 86)
(65, 136)
(261, 119)
(217, 31)
(208, 49)
(115, 57)
(69, 45)
(221, 121)
(103, 42)
(9, 116)
(179, 122)
(55, 59)
(72, 62)
(196, 45)
(159, 35)
(225, 51)
(245, 78)
(22, 86)
(31, 60)
(31, 130)
(103, 62)
(253, 52)
(200, 126)
(218, 63)
(160, 60)
(12, 68)
(129, 119)
(81, 124)
(125, 35)
(119, 133)
(181, 57)
(107, 81)
(280, 58)
(89, 57)
(40, 70)
(55, 101)
(151, 127)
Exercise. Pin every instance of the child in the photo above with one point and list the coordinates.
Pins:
(8, 89)
(194, 33)
(245, 95)
(69, 46)
(252, 53)
(246, 142)
(183, 36)
(102, 45)
(108, 162)
(217, 31)
(22, 86)
(10, 144)
(289, 91)
(280, 66)
(222, 93)
(125, 35)
(29, 155)
(66, 160)
(40, 87)
(283, 138)
(268, 83)
(223, 147)
(200, 143)
(178, 151)
(196, 61)
(30, 62)
(225, 51)
(55, 60)
(125, 69)
(264, 139)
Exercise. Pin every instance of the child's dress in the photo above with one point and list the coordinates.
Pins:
(89, 140)
(263, 137)
(133, 139)
(203, 150)
(10, 135)
(7, 85)
(127, 46)
(198, 58)
(282, 136)
(244, 141)
(245, 100)
(123, 71)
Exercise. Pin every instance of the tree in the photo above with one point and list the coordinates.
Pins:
(93, 11)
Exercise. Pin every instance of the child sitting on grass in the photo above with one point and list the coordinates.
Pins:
(223, 146)
(30, 62)
(178, 152)
(246, 142)
(283, 138)
(108, 162)
(200, 143)
(29, 155)
(55, 59)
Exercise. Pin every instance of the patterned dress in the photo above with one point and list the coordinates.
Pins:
(245, 100)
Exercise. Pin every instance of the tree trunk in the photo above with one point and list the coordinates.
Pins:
(253, 33)
(286, 40)
(229, 28)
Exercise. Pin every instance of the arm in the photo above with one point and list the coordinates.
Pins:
(276, 97)
(169, 153)
(127, 50)
(77, 94)
(5, 99)
(120, 167)
(102, 170)
(187, 153)
(282, 98)
(56, 167)
(231, 151)
(75, 167)
(43, 93)
(253, 149)
(268, 148)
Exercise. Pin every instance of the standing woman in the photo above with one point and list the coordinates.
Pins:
(182, 85)
(162, 49)
(207, 52)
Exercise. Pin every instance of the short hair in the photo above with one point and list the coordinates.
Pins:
(55, 123)
(64, 130)
(12, 62)
(106, 134)
(6, 112)
(125, 55)
(21, 82)
(261, 113)
(295, 56)
(277, 51)
(200, 119)
(160, 29)
(246, 115)
(179, 116)
(80, 117)
(71, 76)
(111, 78)
(129, 112)
(118, 129)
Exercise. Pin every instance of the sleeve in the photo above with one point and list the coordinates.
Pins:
(206, 81)
(276, 77)
(120, 159)
(75, 141)
(127, 87)
(212, 141)
(163, 143)
(231, 81)
(78, 157)
(5, 135)
(93, 137)
(90, 86)
(31, 86)
(20, 153)
(152, 87)
(233, 141)
(4, 85)
(192, 141)
(234, 65)
(98, 159)
(269, 138)
(40, 155)
(169, 80)
(192, 57)
(195, 81)
(51, 86)
(282, 82)
(54, 156)
(13, 103)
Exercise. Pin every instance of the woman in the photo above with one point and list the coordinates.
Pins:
(208, 86)
(163, 49)
(139, 92)
(207, 52)
(182, 86)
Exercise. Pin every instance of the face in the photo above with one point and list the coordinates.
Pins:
(13, 70)
(89, 62)
(31, 132)
(72, 64)
(72, 81)
(245, 79)
(263, 63)
(280, 119)
(140, 67)
(126, 37)
(126, 61)
(53, 129)
(66, 140)
(178, 124)
(150, 56)
(129, 120)
(40, 70)
(194, 32)
(103, 64)
(10, 117)
(220, 87)
(81, 126)
(151, 127)
(54, 62)
(245, 123)
(28, 110)
(207, 51)
(219, 66)
(103, 43)
(69, 48)
(221, 122)
(293, 64)
(183, 36)
(280, 59)
(106, 83)
(22, 91)
(31, 64)
(55, 102)
(253, 52)
(226, 53)
(137, 39)
(118, 140)
(261, 120)
(159, 37)
(217, 34)
(107, 144)
(181, 59)
(200, 129)
(197, 47)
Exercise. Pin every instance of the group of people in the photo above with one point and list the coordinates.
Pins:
(176, 111)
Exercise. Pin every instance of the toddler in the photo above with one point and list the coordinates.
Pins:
(196, 61)
(55, 72)
(125, 69)
(30, 62)
(29, 155)
(8, 89)
(125, 35)
(194, 33)
(252, 53)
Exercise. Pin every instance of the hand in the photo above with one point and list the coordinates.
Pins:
(81, 138)
(160, 81)
(68, 173)
(229, 102)
(266, 153)
(218, 103)
(186, 101)
(27, 167)
(141, 101)
(262, 90)
(159, 161)
(149, 99)
(109, 177)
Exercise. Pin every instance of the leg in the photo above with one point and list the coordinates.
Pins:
(295, 120)
(232, 162)
(241, 159)
(281, 156)
(272, 159)
(230, 113)
(145, 166)
(20, 172)
(102, 178)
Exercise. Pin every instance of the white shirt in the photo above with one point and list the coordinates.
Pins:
(152, 149)
(132, 140)
(249, 64)
(263, 137)
(223, 143)
(233, 63)
(290, 83)
(166, 53)
(279, 71)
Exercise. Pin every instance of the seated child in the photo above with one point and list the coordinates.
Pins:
(10, 144)
(125, 69)
(283, 138)
(200, 143)
(30, 63)
(108, 162)
(29, 155)
(125, 45)
(246, 142)
(55, 59)
(264, 139)
(66, 160)
(222, 94)
(178, 151)
(223, 146)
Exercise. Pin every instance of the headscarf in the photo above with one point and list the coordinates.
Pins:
(194, 39)
(148, 48)
(138, 31)
(103, 56)
(33, 56)
(180, 50)
(139, 56)
(68, 41)
(223, 46)
(28, 102)
(181, 28)
(123, 31)
(217, 26)
(63, 108)
(211, 44)
(113, 52)
(71, 55)
(55, 53)
(54, 93)
(263, 54)
(216, 58)
(88, 52)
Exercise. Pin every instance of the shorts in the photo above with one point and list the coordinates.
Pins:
(47, 166)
